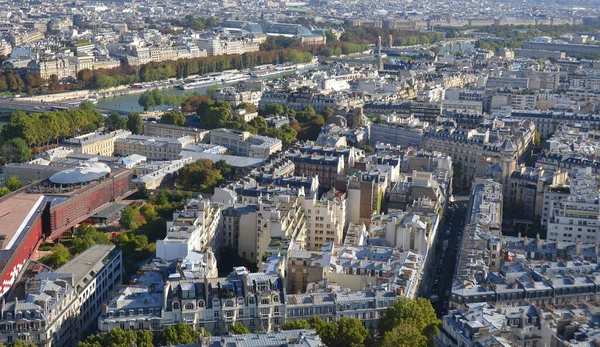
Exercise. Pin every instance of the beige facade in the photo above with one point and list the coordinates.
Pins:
(96, 143)
(174, 131)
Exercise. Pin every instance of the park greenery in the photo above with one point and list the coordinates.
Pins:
(173, 118)
(203, 175)
(51, 127)
(175, 335)
(410, 322)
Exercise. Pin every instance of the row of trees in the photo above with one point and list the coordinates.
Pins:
(44, 128)
(409, 323)
(179, 334)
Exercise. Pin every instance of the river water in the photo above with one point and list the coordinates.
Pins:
(129, 103)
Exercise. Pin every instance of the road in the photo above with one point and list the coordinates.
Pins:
(36, 106)
(447, 258)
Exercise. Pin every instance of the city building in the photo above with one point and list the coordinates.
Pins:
(243, 143)
(61, 307)
(173, 131)
(195, 228)
(153, 148)
(96, 143)
(576, 217)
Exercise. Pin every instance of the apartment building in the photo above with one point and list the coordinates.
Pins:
(61, 307)
(528, 186)
(280, 226)
(304, 267)
(397, 131)
(368, 306)
(326, 167)
(365, 191)
(96, 143)
(195, 228)
(325, 219)
(237, 97)
(483, 324)
(153, 148)
(255, 300)
(174, 131)
(243, 143)
(576, 217)
(503, 144)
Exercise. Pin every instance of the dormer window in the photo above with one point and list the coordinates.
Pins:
(189, 306)
(201, 303)
(176, 305)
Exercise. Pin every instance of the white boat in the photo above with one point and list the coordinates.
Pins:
(213, 79)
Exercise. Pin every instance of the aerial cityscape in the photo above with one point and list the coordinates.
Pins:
(311, 173)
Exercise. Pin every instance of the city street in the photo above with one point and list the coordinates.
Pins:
(446, 262)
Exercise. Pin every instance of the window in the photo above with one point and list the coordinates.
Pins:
(189, 306)
(176, 305)
(201, 303)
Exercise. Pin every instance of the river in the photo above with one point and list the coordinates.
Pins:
(129, 103)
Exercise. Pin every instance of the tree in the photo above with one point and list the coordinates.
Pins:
(216, 117)
(120, 338)
(146, 100)
(15, 150)
(417, 314)
(296, 324)
(134, 123)
(327, 113)
(129, 218)
(20, 343)
(275, 109)
(248, 107)
(239, 329)
(347, 332)
(173, 118)
(144, 338)
(149, 212)
(4, 191)
(115, 122)
(368, 149)
(87, 105)
(404, 335)
(537, 138)
(179, 334)
(60, 255)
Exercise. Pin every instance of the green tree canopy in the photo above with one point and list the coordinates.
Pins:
(134, 123)
(248, 107)
(296, 324)
(216, 117)
(13, 183)
(239, 329)
(276, 109)
(179, 334)
(417, 314)
(87, 105)
(60, 255)
(130, 218)
(115, 122)
(15, 151)
(173, 118)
